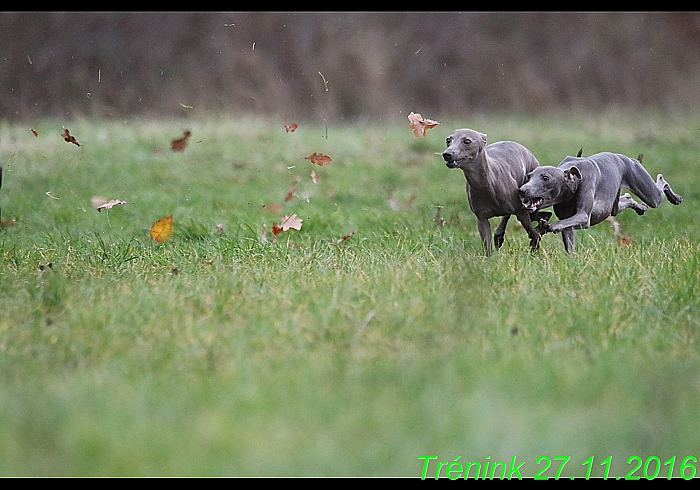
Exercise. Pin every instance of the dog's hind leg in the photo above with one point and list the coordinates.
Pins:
(666, 188)
(638, 180)
(500, 234)
(625, 201)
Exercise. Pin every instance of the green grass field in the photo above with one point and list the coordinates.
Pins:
(219, 353)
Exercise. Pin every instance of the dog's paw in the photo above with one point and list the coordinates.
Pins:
(542, 226)
(498, 240)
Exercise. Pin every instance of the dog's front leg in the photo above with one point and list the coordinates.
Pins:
(569, 239)
(526, 220)
(500, 234)
(485, 233)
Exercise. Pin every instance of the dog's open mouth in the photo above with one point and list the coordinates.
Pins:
(532, 204)
(454, 163)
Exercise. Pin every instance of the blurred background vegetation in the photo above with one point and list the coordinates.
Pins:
(354, 66)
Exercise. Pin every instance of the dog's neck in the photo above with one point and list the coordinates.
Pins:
(569, 189)
(476, 172)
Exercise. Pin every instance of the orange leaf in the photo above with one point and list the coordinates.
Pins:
(290, 128)
(34, 132)
(319, 159)
(161, 229)
(276, 229)
(181, 143)
(420, 125)
(69, 139)
(345, 237)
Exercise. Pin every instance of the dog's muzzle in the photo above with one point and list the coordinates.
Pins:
(531, 204)
(449, 160)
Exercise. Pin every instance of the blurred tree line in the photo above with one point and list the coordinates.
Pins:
(327, 66)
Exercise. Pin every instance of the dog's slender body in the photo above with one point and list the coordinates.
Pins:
(494, 173)
(586, 191)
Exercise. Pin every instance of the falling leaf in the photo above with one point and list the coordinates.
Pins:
(319, 159)
(110, 204)
(7, 222)
(290, 128)
(292, 190)
(314, 177)
(180, 143)
(34, 131)
(420, 125)
(69, 139)
(292, 221)
(621, 237)
(624, 240)
(288, 222)
(273, 207)
(345, 237)
(161, 229)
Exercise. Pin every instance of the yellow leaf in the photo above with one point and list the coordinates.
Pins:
(161, 229)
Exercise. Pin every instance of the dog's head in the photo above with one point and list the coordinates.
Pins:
(546, 186)
(463, 146)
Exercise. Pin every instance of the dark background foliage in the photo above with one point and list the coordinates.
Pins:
(375, 65)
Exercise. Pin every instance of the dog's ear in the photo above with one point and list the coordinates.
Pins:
(572, 173)
(483, 137)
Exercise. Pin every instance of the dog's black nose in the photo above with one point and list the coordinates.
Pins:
(447, 156)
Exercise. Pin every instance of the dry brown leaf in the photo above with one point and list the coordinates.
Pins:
(319, 159)
(345, 237)
(34, 131)
(111, 204)
(273, 207)
(288, 222)
(181, 143)
(292, 190)
(290, 128)
(69, 139)
(292, 221)
(276, 229)
(419, 125)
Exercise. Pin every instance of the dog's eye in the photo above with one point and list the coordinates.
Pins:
(467, 141)
(545, 178)
(448, 141)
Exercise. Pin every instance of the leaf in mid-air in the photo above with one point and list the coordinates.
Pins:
(419, 125)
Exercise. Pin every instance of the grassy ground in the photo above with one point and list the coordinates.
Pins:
(218, 353)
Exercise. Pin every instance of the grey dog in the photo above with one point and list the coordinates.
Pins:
(585, 191)
(494, 173)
